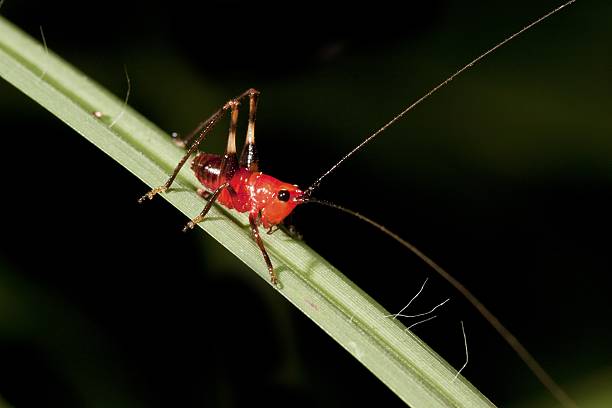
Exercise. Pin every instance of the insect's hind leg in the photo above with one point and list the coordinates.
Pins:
(199, 134)
(227, 169)
(184, 141)
(249, 157)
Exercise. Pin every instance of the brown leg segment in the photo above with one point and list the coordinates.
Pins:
(262, 248)
(200, 217)
(229, 163)
(249, 157)
(199, 134)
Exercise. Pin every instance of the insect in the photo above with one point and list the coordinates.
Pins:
(237, 183)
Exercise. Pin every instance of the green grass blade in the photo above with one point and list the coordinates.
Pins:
(407, 366)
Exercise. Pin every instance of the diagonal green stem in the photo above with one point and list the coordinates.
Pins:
(398, 358)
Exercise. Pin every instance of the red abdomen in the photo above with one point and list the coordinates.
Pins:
(207, 168)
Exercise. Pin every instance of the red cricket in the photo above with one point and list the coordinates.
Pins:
(238, 184)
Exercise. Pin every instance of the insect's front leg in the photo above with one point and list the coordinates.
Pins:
(253, 220)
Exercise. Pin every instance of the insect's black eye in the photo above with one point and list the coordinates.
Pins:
(283, 195)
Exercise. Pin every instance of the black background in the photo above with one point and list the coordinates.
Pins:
(503, 178)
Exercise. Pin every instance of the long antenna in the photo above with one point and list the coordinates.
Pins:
(315, 185)
(516, 345)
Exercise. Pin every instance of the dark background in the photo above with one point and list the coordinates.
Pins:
(503, 178)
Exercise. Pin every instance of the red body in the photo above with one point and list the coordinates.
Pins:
(256, 192)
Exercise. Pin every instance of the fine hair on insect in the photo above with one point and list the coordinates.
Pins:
(235, 182)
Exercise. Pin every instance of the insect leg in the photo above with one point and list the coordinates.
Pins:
(262, 248)
(204, 129)
(228, 166)
(249, 157)
(229, 163)
(199, 134)
(213, 197)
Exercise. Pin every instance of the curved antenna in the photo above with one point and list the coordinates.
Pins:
(520, 350)
(469, 65)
